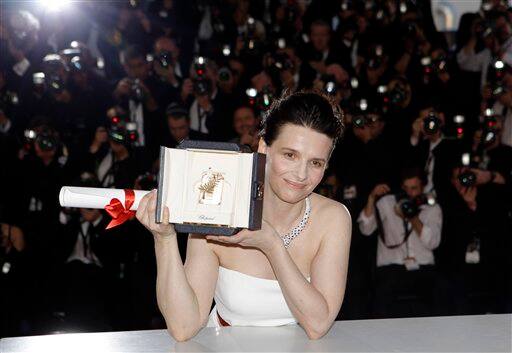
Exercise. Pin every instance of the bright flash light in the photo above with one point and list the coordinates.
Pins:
(363, 104)
(54, 5)
(459, 119)
(466, 159)
(499, 65)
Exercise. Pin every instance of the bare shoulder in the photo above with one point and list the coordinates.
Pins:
(332, 215)
(328, 209)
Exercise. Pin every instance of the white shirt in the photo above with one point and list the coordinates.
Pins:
(418, 246)
(198, 116)
(475, 62)
(506, 133)
(78, 251)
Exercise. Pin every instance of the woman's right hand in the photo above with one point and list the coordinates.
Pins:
(146, 215)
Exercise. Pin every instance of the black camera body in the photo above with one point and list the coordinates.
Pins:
(467, 178)
(202, 85)
(432, 123)
(410, 207)
(125, 134)
(330, 86)
(164, 59)
(45, 140)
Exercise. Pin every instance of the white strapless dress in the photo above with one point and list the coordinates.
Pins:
(243, 300)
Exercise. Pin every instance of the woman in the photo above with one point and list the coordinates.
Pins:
(257, 280)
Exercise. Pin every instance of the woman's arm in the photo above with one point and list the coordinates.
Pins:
(184, 293)
(315, 305)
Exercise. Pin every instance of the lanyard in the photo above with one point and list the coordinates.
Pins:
(383, 236)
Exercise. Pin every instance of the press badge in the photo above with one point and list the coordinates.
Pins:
(411, 264)
(349, 192)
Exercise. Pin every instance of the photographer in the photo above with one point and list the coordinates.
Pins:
(110, 155)
(86, 256)
(169, 69)
(21, 52)
(137, 95)
(318, 53)
(211, 108)
(409, 230)
(362, 161)
(475, 257)
(430, 150)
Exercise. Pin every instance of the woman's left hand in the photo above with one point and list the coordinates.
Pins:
(264, 239)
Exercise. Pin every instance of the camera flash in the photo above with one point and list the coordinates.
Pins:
(465, 159)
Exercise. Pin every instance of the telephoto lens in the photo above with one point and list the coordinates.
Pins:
(164, 59)
(408, 207)
(46, 142)
(432, 123)
(467, 178)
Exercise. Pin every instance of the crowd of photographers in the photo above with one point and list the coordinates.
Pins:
(90, 92)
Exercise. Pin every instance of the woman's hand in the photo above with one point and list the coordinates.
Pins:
(146, 215)
(264, 239)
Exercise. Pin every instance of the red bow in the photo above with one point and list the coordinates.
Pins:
(118, 212)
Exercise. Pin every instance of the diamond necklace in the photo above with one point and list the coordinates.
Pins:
(292, 234)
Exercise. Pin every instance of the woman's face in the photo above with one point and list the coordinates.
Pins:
(296, 161)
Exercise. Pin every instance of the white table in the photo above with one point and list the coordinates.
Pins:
(482, 333)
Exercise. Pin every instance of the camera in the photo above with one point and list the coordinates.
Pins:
(467, 178)
(124, 134)
(281, 61)
(51, 82)
(395, 95)
(224, 74)
(136, 91)
(364, 114)
(330, 86)
(55, 84)
(432, 123)
(489, 129)
(202, 85)
(410, 207)
(164, 59)
(376, 57)
(259, 100)
(45, 140)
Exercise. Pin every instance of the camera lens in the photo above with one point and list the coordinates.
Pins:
(431, 124)
(467, 179)
(408, 207)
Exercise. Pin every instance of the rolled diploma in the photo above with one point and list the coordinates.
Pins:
(80, 197)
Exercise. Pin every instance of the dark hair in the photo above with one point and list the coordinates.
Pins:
(311, 109)
(320, 22)
(413, 172)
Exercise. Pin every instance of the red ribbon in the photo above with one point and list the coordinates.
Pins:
(118, 212)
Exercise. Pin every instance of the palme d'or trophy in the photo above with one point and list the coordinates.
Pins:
(209, 188)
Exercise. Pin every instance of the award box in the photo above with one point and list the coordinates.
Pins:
(211, 187)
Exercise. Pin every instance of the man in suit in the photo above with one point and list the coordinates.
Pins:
(430, 149)
(88, 260)
(178, 123)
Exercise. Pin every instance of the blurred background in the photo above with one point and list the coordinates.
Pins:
(89, 90)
